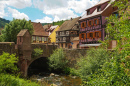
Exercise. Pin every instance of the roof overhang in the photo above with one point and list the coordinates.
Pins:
(89, 45)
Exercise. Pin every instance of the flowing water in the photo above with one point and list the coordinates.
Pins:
(57, 80)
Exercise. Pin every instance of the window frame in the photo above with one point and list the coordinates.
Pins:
(99, 9)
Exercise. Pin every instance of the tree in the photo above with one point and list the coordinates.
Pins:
(9, 34)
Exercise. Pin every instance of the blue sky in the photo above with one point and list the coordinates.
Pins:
(44, 11)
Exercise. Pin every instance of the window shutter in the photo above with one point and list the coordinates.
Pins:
(79, 36)
(81, 25)
(99, 34)
(91, 22)
(88, 35)
(85, 24)
(84, 35)
(88, 24)
(97, 21)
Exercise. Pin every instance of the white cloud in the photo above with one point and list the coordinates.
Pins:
(14, 3)
(79, 6)
(16, 14)
(19, 3)
(63, 9)
(2, 12)
(44, 20)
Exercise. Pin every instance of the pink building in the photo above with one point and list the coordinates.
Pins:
(93, 23)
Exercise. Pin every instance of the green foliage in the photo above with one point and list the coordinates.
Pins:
(11, 30)
(9, 80)
(58, 22)
(57, 60)
(7, 62)
(92, 62)
(37, 52)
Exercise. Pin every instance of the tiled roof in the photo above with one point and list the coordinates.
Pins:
(95, 12)
(22, 32)
(38, 29)
(53, 27)
(69, 24)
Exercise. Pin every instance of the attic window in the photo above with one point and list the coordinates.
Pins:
(88, 12)
(98, 8)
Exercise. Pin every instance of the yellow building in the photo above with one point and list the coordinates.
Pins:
(52, 33)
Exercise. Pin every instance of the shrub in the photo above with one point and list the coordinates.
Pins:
(37, 52)
(57, 60)
(9, 80)
(7, 62)
(92, 62)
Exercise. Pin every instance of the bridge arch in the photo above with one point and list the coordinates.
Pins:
(37, 65)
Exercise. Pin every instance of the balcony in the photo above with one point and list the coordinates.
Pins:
(62, 41)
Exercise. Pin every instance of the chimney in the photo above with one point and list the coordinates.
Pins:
(71, 18)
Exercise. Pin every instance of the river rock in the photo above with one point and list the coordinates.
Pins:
(53, 85)
(52, 74)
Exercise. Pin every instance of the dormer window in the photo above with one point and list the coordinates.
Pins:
(98, 8)
(88, 12)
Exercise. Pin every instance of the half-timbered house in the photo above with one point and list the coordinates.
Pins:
(93, 23)
(67, 32)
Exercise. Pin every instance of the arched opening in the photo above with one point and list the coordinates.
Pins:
(39, 65)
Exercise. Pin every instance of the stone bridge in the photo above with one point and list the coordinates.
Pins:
(24, 49)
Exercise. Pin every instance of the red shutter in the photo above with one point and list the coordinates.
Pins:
(79, 36)
(88, 24)
(85, 24)
(88, 35)
(100, 34)
(97, 21)
(84, 35)
(91, 22)
(81, 25)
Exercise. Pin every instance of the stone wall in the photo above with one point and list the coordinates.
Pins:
(47, 48)
(8, 47)
(73, 55)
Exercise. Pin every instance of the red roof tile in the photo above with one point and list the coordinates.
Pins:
(38, 29)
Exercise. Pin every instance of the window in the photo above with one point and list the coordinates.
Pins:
(40, 38)
(64, 38)
(61, 45)
(91, 35)
(67, 32)
(90, 22)
(97, 34)
(95, 21)
(82, 24)
(60, 33)
(66, 45)
(88, 12)
(45, 38)
(82, 36)
(98, 8)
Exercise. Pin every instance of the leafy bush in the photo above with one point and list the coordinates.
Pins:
(57, 60)
(91, 63)
(7, 62)
(111, 74)
(9, 80)
(37, 52)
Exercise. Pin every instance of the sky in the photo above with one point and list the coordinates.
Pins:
(44, 11)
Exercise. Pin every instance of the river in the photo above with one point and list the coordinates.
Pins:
(56, 80)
